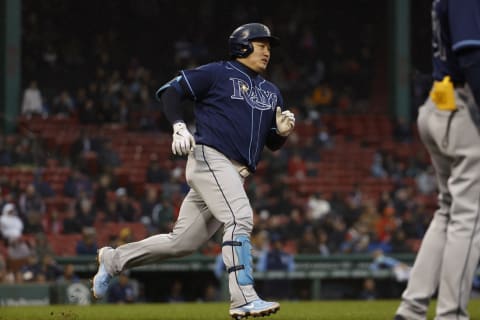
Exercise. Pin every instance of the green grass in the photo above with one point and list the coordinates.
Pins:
(316, 310)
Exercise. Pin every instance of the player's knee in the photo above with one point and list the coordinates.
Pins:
(244, 226)
(241, 224)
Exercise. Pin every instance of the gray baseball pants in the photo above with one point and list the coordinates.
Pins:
(450, 250)
(216, 198)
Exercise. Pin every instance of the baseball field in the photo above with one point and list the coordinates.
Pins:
(316, 310)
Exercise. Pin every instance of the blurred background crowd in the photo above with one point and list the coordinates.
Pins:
(90, 162)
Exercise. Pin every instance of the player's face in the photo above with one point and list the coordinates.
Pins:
(259, 58)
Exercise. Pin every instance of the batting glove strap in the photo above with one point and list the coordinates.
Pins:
(285, 122)
(183, 141)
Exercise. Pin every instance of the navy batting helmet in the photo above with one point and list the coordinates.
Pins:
(239, 43)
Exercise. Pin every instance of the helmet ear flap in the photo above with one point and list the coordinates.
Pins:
(239, 50)
(246, 50)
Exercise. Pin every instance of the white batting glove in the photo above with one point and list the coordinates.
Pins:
(285, 122)
(183, 141)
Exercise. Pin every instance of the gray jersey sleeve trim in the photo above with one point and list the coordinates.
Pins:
(189, 86)
(466, 43)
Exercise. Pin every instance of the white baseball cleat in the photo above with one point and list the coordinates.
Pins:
(102, 278)
(256, 308)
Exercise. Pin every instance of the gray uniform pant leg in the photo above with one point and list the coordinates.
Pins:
(220, 185)
(194, 226)
(450, 250)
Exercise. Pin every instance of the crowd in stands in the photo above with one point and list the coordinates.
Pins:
(91, 160)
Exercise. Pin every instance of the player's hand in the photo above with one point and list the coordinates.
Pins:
(183, 141)
(285, 122)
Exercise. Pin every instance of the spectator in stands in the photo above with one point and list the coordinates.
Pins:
(369, 290)
(11, 226)
(176, 185)
(124, 236)
(104, 186)
(32, 103)
(63, 105)
(49, 268)
(18, 249)
(322, 96)
(29, 271)
(87, 113)
(125, 209)
(387, 224)
(71, 224)
(399, 242)
(53, 224)
(42, 246)
(80, 98)
(381, 261)
(88, 243)
(337, 203)
(164, 216)
(23, 153)
(211, 248)
(85, 212)
(84, 145)
(276, 162)
(94, 93)
(356, 239)
(296, 166)
(402, 200)
(308, 243)
(377, 244)
(68, 275)
(426, 181)
(260, 242)
(376, 168)
(337, 233)
(412, 225)
(31, 201)
(6, 154)
(281, 200)
(210, 293)
(323, 137)
(108, 158)
(176, 292)
(50, 56)
(295, 224)
(317, 207)
(310, 153)
(155, 173)
(122, 290)
(276, 259)
(323, 239)
(124, 114)
(3, 270)
(76, 183)
(111, 212)
(42, 187)
(150, 206)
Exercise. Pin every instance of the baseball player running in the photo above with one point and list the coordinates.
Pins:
(449, 128)
(237, 113)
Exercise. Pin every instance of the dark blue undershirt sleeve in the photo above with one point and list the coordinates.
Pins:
(172, 100)
(469, 60)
